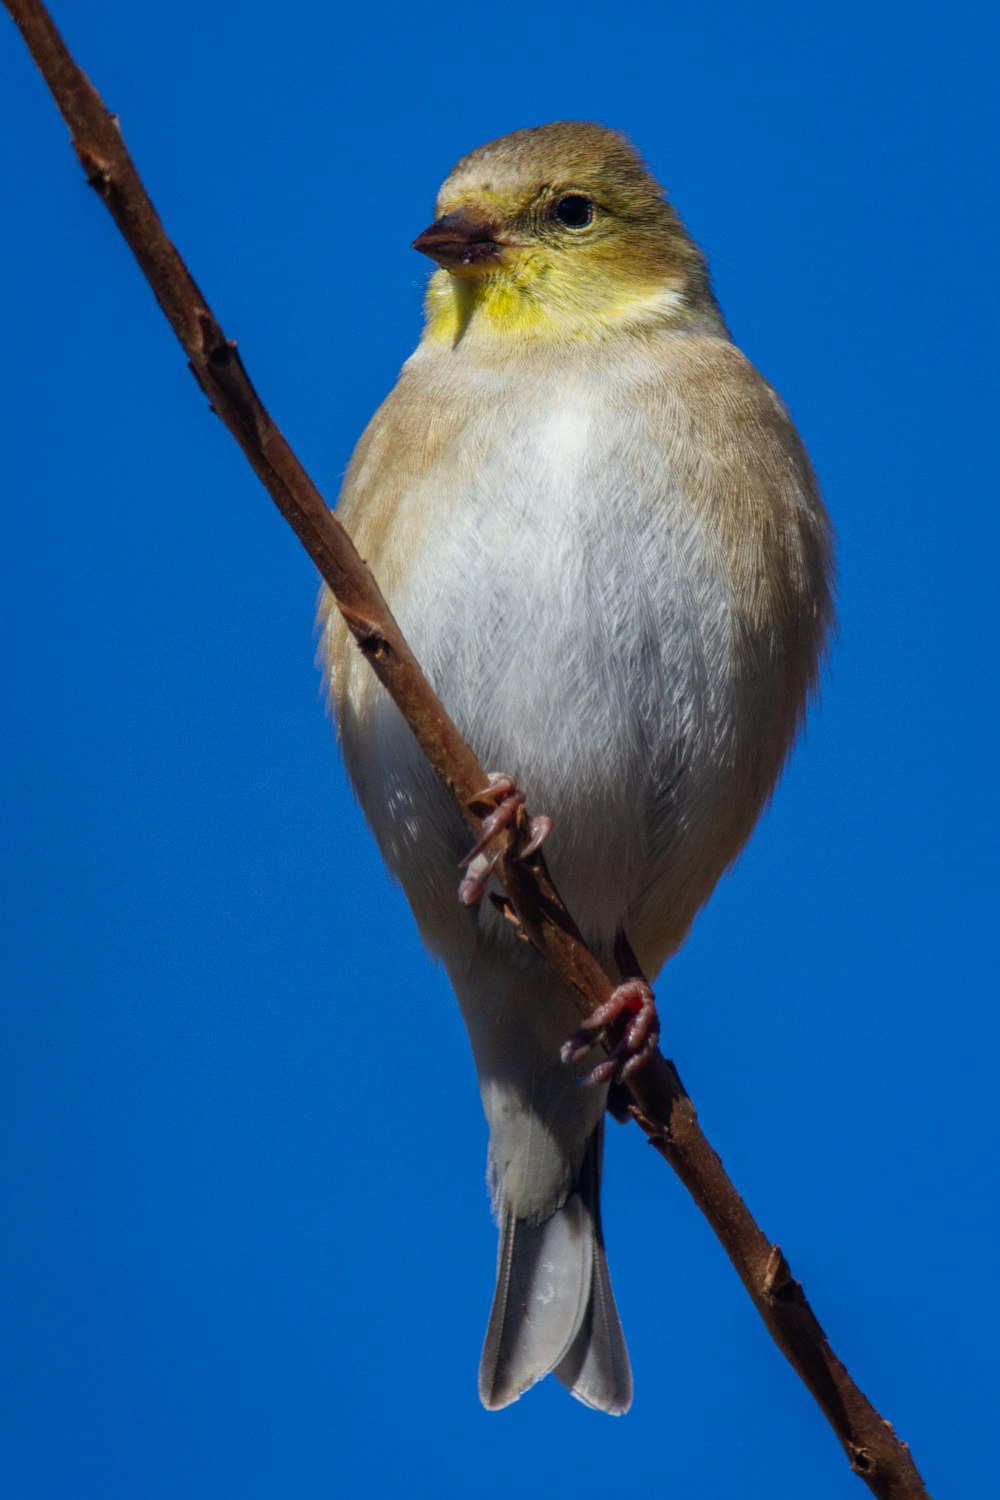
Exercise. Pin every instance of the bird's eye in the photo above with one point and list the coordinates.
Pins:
(574, 211)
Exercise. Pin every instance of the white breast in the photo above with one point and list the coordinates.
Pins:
(574, 616)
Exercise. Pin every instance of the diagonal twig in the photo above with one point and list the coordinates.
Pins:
(659, 1102)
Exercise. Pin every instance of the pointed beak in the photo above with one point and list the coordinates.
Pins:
(463, 244)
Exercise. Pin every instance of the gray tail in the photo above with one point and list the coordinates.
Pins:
(554, 1309)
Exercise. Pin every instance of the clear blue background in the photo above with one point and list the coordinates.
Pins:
(246, 1249)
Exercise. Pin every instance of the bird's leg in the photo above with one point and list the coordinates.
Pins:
(635, 1036)
(500, 805)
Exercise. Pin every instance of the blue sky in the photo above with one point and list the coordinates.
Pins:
(246, 1253)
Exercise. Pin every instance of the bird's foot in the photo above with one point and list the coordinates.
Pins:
(632, 1006)
(500, 805)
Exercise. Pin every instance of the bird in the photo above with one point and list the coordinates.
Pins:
(599, 529)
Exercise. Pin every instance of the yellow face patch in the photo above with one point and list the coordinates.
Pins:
(539, 300)
(506, 304)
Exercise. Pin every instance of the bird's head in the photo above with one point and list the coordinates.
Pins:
(558, 232)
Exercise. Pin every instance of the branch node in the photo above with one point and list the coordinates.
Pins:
(778, 1279)
(97, 169)
(657, 1132)
(862, 1462)
(372, 642)
(370, 635)
(505, 907)
(215, 347)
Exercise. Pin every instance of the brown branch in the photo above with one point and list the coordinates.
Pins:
(660, 1104)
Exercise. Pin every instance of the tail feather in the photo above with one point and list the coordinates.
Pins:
(554, 1309)
(543, 1282)
(595, 1369)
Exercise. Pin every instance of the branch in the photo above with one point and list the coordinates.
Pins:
(659, 1102)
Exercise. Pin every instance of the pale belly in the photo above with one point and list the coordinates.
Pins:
(574, 615)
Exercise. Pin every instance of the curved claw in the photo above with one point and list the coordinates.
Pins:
(499, 786)
(500, 803)
(636, 1044)
(502, 817)
(539, 829)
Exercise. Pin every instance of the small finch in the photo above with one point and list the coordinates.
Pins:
(602, 536)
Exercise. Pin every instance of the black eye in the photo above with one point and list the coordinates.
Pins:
(574, 211)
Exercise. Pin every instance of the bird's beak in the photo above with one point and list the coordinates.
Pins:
(463, 244)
